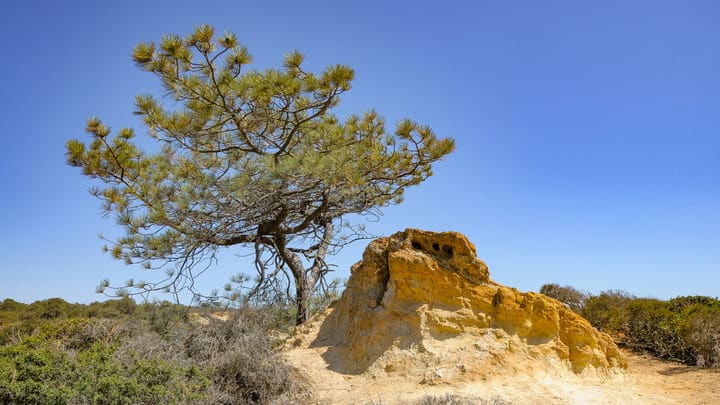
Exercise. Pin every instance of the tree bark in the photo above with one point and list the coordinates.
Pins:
(311, 277)
(302, 301)
(306, 279)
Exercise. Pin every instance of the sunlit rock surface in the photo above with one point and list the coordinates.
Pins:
(422, 304)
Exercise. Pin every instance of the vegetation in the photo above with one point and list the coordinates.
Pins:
(121, 352)
(18, 319)
(247, 158)
(452, 399)
(572, 297)
(684, 329)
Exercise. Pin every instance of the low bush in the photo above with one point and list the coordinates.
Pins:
(704, 337)
(685, 329)
(239, 356)
(452, 399)
(570, 296)
(144, 355)
(652, 326)
(75, 361)
(608, 311)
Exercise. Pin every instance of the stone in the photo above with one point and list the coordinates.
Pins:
(422, 301)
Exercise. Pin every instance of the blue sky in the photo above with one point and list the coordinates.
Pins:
(587, 136)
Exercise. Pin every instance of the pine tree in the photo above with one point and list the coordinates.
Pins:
(250, 158)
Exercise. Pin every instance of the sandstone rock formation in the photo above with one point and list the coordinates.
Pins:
(422, 304)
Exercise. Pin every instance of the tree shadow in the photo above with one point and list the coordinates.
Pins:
(678, 370)
(351, 349)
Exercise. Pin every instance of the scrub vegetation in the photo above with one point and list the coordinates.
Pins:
(684, 329)
(114, 352)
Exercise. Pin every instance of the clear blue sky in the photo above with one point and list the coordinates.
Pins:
(588, 144)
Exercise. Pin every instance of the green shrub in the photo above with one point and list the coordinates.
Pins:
(140, 354)
(34, 375)
(608, 311)
(40, 370)
(164, 316)
(685, 329)
(698, 301)
(151, 380)
(652, 326)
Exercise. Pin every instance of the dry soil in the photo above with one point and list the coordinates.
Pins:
(647, 380)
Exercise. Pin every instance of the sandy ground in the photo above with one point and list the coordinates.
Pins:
(646, 381)
(673, 382)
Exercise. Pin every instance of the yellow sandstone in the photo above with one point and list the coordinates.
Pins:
(422, 304)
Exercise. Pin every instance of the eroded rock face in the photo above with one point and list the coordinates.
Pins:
(422, 301)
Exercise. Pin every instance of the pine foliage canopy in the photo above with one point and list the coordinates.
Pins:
(247, 157)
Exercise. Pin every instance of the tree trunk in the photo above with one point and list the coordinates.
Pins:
(302, 301)
(306, 279)
(303, 285)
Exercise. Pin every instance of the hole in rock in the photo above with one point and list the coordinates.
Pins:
(416, 245)
(436, 247)
(448, 249)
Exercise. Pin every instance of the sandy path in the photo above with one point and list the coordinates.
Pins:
(676, 382)
(647, 381)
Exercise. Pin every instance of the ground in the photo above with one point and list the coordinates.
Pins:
(647, 380)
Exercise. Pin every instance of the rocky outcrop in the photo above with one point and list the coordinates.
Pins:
(422, 303)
